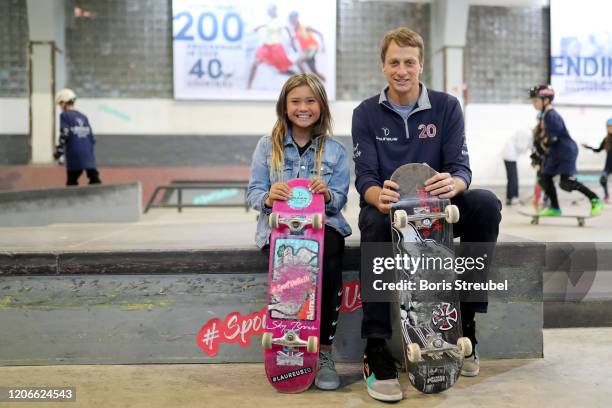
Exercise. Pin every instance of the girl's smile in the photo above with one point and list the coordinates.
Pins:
(303, 109)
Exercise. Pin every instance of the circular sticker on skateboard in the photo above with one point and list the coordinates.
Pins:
(300, 198)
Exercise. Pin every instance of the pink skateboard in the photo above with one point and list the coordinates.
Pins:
(291, 337)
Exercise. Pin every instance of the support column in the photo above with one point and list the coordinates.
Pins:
(46, 24)
(449, 20)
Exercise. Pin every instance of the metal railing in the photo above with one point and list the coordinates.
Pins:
(180, 186)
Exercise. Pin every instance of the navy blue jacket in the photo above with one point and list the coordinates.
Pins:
(562, 150)
(77, 140)
(434, 133)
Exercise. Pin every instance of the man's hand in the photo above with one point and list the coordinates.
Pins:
(318, 186)
(278, 191)
(444, 185)
(382, 198)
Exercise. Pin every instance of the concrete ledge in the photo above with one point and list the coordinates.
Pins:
(157, 307)
(578, 314)
(86, 204)
(234, 261)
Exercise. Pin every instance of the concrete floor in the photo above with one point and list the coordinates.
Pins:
(565, 377)
(195, 228)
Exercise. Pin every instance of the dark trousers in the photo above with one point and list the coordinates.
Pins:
(603, 180)
(567, 183)
(480, 215)
(73, 176)
(333, 252)
(512, 177)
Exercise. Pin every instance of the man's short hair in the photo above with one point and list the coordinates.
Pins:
(404, 37)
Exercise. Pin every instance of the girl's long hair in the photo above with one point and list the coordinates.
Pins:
(321, 128)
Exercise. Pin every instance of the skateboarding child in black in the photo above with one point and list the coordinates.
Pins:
(408, 123)
(606, 144)
(76, 141)
(561, 154)
(301, 147)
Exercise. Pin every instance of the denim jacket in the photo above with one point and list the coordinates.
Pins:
(335, 173)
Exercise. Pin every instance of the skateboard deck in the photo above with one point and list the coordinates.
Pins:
(535, 217)
(430, 320)
(291, 337)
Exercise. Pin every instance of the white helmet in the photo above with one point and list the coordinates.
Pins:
(65, 95)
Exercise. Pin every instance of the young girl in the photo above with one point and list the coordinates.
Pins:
(300, 147)
(606, 144)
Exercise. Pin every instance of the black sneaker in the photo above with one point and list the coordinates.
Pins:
(380, 375)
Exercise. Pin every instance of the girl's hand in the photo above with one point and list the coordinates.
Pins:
(278, 191)
(317, 185)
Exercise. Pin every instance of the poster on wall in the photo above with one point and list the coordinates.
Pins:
(581, 52)
(246, 49)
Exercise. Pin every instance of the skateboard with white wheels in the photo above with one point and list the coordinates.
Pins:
(291, 336)
(421, 227)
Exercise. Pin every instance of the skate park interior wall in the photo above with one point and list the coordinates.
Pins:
(488, 126)
(158, 306)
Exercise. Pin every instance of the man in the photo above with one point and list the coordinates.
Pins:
(76, 141)
(407, 123)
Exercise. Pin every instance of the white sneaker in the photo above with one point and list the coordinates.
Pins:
(471, 366)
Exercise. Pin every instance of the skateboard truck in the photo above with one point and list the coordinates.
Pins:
(436, 345)
(290, 339)
(425, 219)
(296, 223)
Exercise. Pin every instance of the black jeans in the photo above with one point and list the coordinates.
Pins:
(480, 215)
(512, 188)
(92, 175)
(331, 291)
(567, 183)
(333, 252)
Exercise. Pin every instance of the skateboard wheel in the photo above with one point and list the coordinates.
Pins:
(274, 220)
(464, 346)
(581, 222)
(313, 344)
(400, 219)
(266, 340)
(451, 213)
(317, 221)
(413, 353)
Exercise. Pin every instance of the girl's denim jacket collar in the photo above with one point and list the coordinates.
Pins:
(334, 171)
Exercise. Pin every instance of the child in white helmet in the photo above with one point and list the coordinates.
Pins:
(76, 142)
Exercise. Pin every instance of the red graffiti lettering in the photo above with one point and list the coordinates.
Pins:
(351, 299)
(235, 328)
